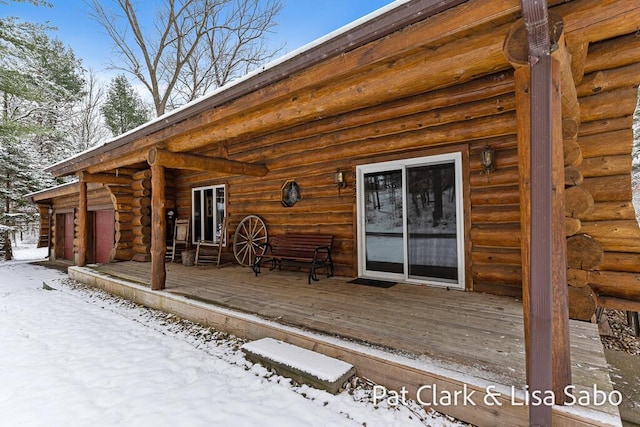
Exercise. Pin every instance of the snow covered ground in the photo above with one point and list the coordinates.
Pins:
(75, 356)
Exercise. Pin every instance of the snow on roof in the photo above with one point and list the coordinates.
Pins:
(46, 190)
(269, 66)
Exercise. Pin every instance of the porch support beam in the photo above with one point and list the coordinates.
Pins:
(116, 159)
(83, 225)
(540, 82)
(516, 52)
(104, 178)
(172, 160)
(158, 227)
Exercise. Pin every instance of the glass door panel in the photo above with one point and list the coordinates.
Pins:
(208, 224)
(220, 207)
(432, 241)
(197, 216)
(383, 222)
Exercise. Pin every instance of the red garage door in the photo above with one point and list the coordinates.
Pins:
(68, 236)
(104, 229)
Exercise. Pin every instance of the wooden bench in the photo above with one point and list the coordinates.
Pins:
(313, 250)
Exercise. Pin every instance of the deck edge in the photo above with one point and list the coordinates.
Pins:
(393, 371)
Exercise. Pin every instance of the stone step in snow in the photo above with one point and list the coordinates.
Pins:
(302, 365)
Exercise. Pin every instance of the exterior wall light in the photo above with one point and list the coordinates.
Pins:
(339, 180)
(488, 160)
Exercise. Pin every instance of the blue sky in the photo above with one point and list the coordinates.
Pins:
(300, 22)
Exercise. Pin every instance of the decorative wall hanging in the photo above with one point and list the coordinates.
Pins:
(290, 194)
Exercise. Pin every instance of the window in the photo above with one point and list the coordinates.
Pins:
(208, 210)
(410, 223)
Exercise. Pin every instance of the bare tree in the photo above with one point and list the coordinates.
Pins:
(88, 128)
(195, 45)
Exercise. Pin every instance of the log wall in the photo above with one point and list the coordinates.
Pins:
(122, 199)
(495, 219)
(45, 226)
(141, 216)
(597, 148)
(608, 98)
(449, 120)
(438, 86)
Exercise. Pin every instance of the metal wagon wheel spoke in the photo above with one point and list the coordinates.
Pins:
(249, 239)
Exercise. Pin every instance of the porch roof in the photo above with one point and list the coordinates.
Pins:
(373, 26)
(66, 189)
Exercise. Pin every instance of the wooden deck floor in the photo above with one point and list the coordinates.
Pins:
(471, 333)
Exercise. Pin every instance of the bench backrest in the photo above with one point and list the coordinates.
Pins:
(300, 244)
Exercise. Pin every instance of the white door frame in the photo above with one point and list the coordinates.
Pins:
(402, 165)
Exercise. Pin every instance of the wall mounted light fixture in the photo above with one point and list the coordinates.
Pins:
(488, 160)
(339, 179)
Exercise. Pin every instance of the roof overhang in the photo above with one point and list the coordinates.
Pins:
(374, 26)
(49, 193)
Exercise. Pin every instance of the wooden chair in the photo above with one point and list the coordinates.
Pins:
(180, 238)
(207, 251)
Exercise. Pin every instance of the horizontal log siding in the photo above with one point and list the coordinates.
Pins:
(97, 195)
(304, 131)
(432, 123)
(608, 97)
(45, 226)
(495, 219)
(122, 198)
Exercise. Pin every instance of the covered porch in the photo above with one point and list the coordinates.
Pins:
(402, 336)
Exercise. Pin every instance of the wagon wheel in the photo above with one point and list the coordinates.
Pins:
(250, 239)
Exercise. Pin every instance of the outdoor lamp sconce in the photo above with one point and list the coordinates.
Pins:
(339, 180)
(488, 160)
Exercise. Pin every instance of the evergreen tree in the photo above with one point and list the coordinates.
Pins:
(123, 110)
(40, 81)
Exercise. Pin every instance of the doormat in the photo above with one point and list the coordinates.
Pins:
(371, 282)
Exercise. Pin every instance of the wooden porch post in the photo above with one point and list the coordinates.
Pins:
(83, 226)
(561, 352)
(158, 228)
(539, 102)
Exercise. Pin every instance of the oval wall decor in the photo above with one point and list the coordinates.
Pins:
(290, 194)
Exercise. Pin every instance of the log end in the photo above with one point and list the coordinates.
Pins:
(584, 252)
(577, 201)
(516, 44)
(582, 303)
(152, 156)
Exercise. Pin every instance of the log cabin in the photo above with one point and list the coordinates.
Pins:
(409, 135)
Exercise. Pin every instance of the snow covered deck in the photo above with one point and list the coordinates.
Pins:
(421, 339)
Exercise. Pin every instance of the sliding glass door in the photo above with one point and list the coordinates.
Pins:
(410, 220)
(383, 221)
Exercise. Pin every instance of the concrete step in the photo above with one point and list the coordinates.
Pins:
(302, 365)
